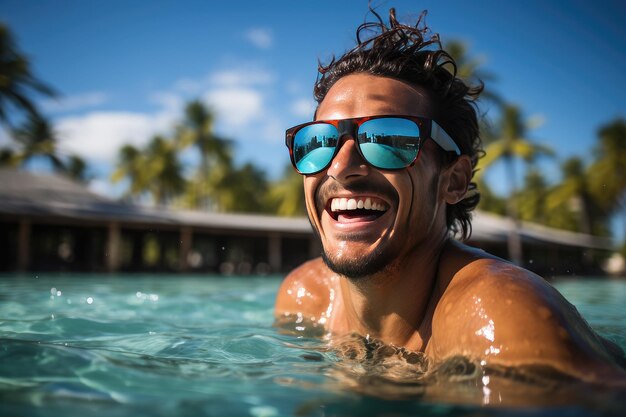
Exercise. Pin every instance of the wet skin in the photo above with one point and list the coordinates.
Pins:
(431, 294)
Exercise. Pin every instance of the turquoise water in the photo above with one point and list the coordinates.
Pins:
(206, 346)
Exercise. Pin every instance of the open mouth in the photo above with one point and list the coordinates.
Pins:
(357, 209)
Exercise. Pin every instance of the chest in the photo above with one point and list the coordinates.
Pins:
(391, 329)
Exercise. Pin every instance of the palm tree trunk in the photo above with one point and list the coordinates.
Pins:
(587, 228)
(624, 220)
(203, 201)
(584, 218)
(514, 241)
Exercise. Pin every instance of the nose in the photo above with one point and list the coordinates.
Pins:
(348, 162)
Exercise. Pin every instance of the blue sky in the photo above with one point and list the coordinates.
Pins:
(125, 69)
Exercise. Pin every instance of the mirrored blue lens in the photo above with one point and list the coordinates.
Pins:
(389, 143)
(314, 146)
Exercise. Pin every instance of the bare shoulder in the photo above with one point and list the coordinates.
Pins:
(305, 291)
(503, 314)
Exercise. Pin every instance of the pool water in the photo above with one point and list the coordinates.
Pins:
(77, 345)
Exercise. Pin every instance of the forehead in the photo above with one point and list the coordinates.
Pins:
(359, 95)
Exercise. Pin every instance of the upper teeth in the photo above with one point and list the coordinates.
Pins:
(341, 204)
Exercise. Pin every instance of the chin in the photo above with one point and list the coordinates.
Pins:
(358, 268)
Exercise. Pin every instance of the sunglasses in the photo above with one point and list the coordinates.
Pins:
(385, 142)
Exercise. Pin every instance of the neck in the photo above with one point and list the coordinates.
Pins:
(393, 304)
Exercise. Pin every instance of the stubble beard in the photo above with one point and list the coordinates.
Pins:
(362, 267)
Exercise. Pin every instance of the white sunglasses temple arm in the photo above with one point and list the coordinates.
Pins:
(442, 139)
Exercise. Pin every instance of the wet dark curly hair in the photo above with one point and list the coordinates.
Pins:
(413, 54)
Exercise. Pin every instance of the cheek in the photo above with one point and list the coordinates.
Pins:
(404, 184)
(311, 185)
(425, 175)
(418, 193)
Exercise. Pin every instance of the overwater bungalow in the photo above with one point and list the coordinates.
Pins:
(51, 223)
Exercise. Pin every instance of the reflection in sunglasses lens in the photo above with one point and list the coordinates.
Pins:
(389, 143)
(314, 146)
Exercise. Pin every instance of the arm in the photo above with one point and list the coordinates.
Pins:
(505, 315)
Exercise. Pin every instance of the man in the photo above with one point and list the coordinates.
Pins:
(387, 167)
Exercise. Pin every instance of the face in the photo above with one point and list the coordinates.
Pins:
(371, 220)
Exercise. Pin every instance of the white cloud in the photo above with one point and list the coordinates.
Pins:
(236, 106)
(244, 74)
(190, 85)
(241, 99)
(241, 76)
(260, 37)
(75, 102)
(171, 103)
(99, 135)
(303, 108)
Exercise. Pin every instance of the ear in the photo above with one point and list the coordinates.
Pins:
(456, 179)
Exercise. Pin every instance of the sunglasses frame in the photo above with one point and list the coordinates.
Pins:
(428, 128)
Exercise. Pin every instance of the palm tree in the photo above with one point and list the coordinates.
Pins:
(215, 153)
(7, 157)
(16, 79)
(76, 168)
(489, 201)
(243, 190)
(154, 171)
(531, 200)
(468, 69)
(511, 144)
(197, 130)
(164, 171)
(607, 175)
(131, 165)
(287, 194)
(572, 195)
(36, 139)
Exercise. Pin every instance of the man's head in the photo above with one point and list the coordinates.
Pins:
(370, 219)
